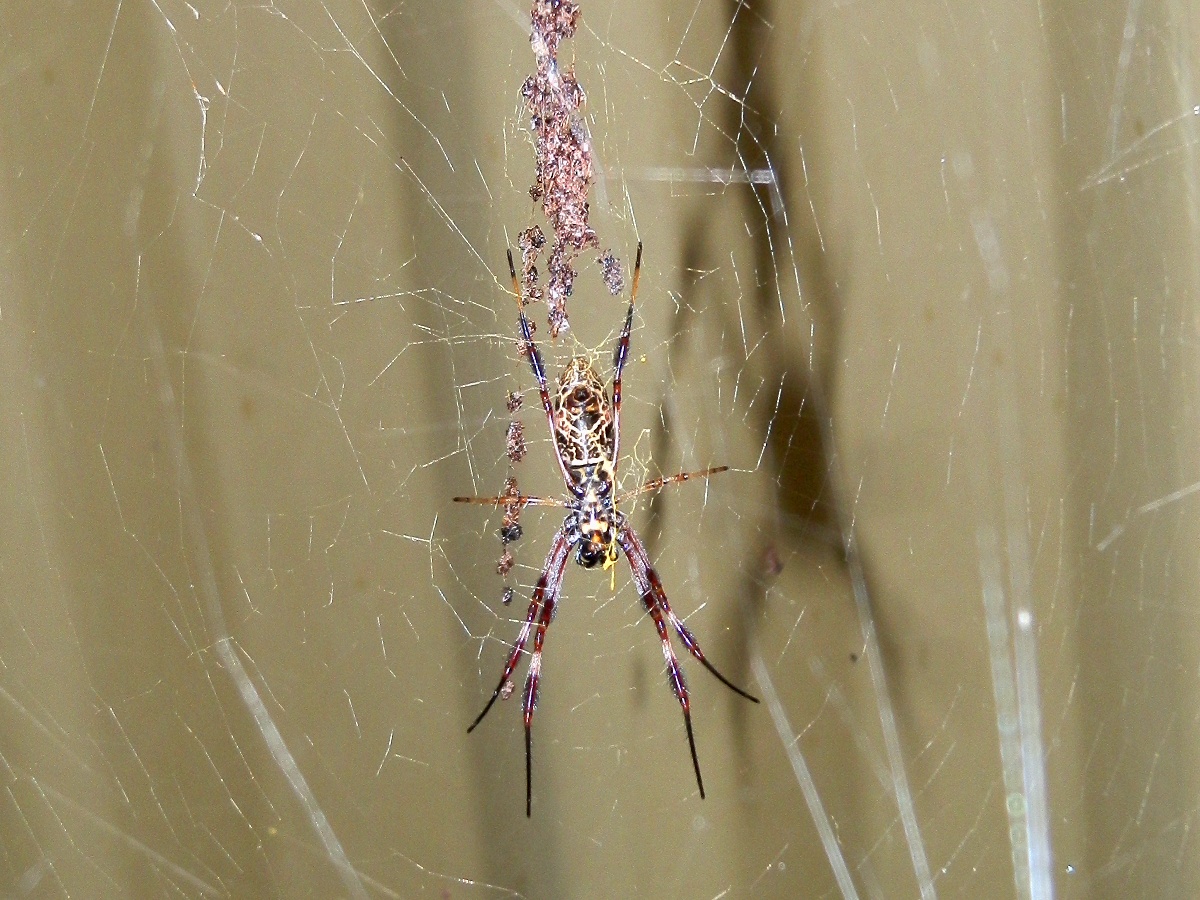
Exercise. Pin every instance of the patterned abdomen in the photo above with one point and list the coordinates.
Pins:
(583, 419)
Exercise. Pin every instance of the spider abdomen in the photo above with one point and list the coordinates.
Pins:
(583, 427)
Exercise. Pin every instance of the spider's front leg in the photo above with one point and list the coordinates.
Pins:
(621, 356)
(654, 598)
(536, 363)
(541, 609)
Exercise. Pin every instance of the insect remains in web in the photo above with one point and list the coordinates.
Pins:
(585, 424)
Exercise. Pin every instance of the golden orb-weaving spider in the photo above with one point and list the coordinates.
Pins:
(586, 427)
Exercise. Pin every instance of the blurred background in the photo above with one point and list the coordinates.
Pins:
(923, 275)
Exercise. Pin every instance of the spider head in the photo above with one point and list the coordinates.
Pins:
(596, 548)
(590, 553)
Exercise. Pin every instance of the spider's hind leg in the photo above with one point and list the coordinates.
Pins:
(541, 610)
(654, 598)
(649, 583)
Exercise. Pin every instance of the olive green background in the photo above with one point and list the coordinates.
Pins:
(923, 274)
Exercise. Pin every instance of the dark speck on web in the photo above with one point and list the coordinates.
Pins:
(515, 441)
(610, 271)
(505, 563)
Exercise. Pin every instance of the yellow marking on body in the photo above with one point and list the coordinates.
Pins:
(610, 562)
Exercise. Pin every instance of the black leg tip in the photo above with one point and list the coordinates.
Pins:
(528, 774)
(687, 721)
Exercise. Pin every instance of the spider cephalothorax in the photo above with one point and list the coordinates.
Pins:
(586, 426)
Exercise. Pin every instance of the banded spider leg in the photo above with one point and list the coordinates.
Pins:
(654, 598)
(541, 608)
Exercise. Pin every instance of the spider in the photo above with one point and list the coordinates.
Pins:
(586, 427)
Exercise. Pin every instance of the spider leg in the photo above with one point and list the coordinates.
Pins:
(549, 580)
(635, 552)
(535, 363)
(629, 542)
(541, 609)
(529, 701)
(655, 600)
(659, 483)
(620, 356)
(521, 500)
(513, 656)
